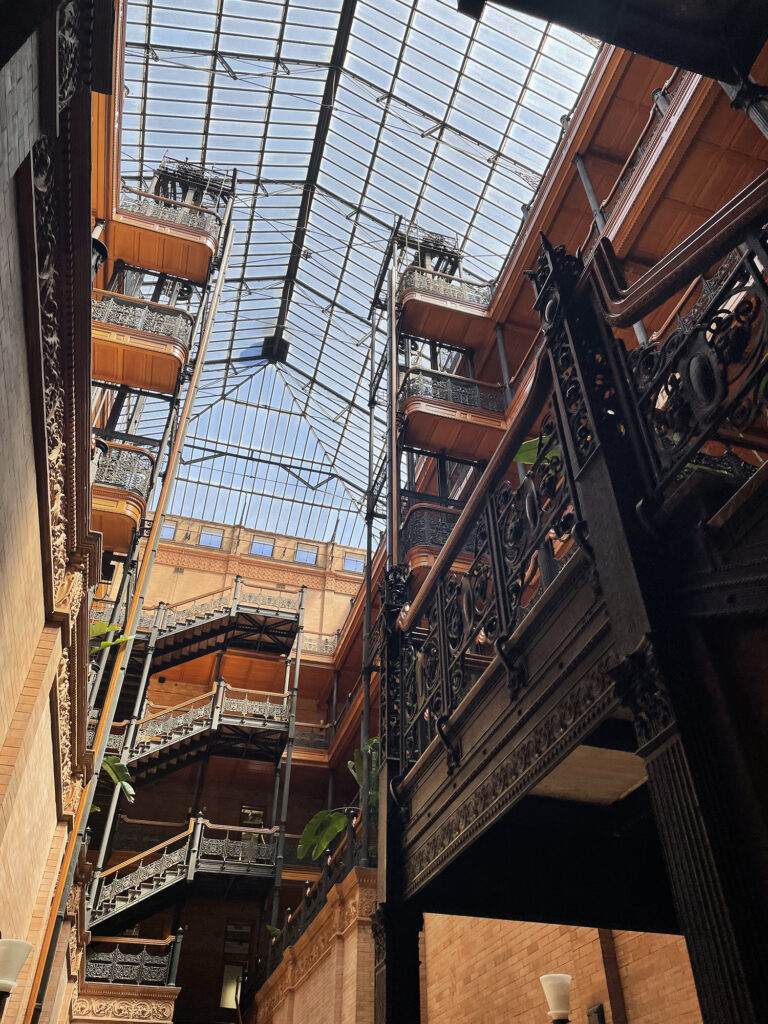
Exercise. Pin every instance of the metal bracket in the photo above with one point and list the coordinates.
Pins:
(452, 748)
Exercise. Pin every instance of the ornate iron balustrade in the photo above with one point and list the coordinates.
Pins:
(159, 208)
(162, 867)
(427, 526)
(517, 543)
(271, 599)
(115, 740)
(452, 288)
(140, 315)
(249, 707)
(702, 384)
(176, 722)
(123, 966)
(129, 469)
(447, 387)
(243, 848)
(319, 643)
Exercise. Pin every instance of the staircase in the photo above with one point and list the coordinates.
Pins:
(226, 850)
(251, 617)
(226, 718)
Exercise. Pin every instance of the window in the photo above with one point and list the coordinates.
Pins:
(167, 531)
(251, 817)
(304, 554)
(353, 564)
(263, 547)
(211, 538)
(230, 985)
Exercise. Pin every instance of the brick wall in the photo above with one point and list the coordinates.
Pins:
(21, 601)
(480, 970)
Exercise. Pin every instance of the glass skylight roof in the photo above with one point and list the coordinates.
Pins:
(340, 116)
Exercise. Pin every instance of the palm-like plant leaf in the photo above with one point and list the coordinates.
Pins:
(120, 775)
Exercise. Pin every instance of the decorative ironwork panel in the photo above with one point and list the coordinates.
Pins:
(126, 468)
(123, 968)
(427, 527)
(174, 722)
(319, 643)
(447, 287)
(446, 387)
(174, 213)
(269, 599)
(156, 870)
(257, 848)
(703, 384)
(122, 311)
(247, 708)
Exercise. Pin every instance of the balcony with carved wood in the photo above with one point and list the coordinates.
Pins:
(119, 495)
(137, 343)
(445, 412)
(164, 234)
(452, 309)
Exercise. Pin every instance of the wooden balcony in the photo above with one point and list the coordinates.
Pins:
(446, 412)
(426, 527)
(137, 343)
(119, 494)
(162, 234)
(443, 307)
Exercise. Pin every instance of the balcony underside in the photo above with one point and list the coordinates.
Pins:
(177, 250)
(458, 430)
(136, 359)
(115, 514)
(426, 315)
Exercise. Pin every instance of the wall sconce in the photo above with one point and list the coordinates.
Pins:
(13, 953)
(557, 992)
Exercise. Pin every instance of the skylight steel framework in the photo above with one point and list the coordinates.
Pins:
(341, 116)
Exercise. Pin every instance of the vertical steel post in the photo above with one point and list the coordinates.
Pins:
(279, 765)
(503, 363)
(393, 460)
(288, 759)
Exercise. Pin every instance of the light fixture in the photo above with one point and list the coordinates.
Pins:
(13, 953)
(557, 991)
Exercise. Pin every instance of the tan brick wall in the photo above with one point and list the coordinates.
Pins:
(480, 970)
(656, 975)
(21, 603)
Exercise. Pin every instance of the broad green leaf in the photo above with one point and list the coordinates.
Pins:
(120, 775)
(336, 824)
(95, 648)
(100, 628)
(308, 836)
(272, 930)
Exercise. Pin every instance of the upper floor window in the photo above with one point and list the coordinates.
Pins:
(353, 564)
(265, 548)
(211, 538)
(305, 554)
(167, 531)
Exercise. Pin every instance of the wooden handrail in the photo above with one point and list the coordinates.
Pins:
(175, 707)
(192, 600)
(167, 199)
(242, 828)
(146, 821)
(130, 940)
(152, 849)
(137, 301)
(678, 306)
(528, 398)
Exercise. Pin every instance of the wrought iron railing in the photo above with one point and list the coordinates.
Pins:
(335, 867)
(447, 287)
(311, 735)
(700, 388)
(140, 315)
(448, 387)
(169, 210)
(427, 525)
(162, 728)
(129, 962)
(202, 847)
(241, 848)
(319, 643)
(129, 469)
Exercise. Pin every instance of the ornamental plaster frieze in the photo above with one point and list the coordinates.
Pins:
(233, 565)
(140, 1003)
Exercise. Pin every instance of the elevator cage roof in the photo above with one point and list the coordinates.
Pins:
(341, 117)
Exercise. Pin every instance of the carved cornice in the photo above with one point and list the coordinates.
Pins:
(140, 1003)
